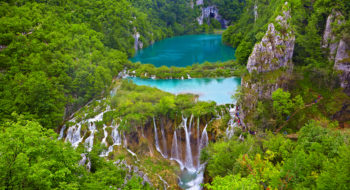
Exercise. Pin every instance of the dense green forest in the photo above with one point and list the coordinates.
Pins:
(59, 57)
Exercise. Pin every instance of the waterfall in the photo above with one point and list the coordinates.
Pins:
(255, 10)
(89, 142)
(156, 138)
(204, 138)
(62, 132)
(189, 160)
(116, 137)
(175, 153)
(190, 125)
(165, 149)
(231, 124)
(76, 138)
(198, 142)
(174, 148)
(117, 140)
(73, 135)
(105, 136)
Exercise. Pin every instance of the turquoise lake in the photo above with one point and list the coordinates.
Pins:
(219, 90)
(182, 51)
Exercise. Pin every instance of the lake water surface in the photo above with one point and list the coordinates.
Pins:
(219, 90)
(182, 51)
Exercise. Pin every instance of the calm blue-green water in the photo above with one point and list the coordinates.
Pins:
(186, 50)
(219, 90)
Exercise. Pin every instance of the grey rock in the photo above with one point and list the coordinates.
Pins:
(137, 42)
(275, 49)
(199, 2)
(338, 49)
(136, 169)
(329, 38)
(342, 64)
(146, 179)
(212, 12)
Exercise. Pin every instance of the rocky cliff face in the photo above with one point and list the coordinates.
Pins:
(137, 42)
(339, 49)
(211, 12)
(342, 64)
(275, 49)
(265, 64)
(330, 40)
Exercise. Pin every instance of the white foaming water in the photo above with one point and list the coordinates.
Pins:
(89, 142)
(156, 138)
(188, 156)
(62, 132)
(117, 139)
(175, 151)
(230, 130)
(105, 133)
(192, 179)
(165, 149)
(198, 143)
(73, 135)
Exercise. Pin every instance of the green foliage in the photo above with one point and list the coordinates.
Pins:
(318, 159)
(246, 31)
(218, 69)
(138, 104)
(223, 156)
(284, 106)
(32, 158)
(50, 63)
(233, 182)
(243, 52)
(229, 9)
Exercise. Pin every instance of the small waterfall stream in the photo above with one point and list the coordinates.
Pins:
(198, 142)
(175, 153)
(165, 149)
(89, 142)
(62, 132)
(116, 137)
(105, 133)
(156, 140)
(73, 135)
(189, 159)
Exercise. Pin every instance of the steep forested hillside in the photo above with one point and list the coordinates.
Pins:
(58, 55)
(294, 98)
(60, 68)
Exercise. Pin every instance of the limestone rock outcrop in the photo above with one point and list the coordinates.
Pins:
(276, 48)
(265, 64)
(342, 65)
(339, 49)
(137, 42)
(211, 12)
(329, 38)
